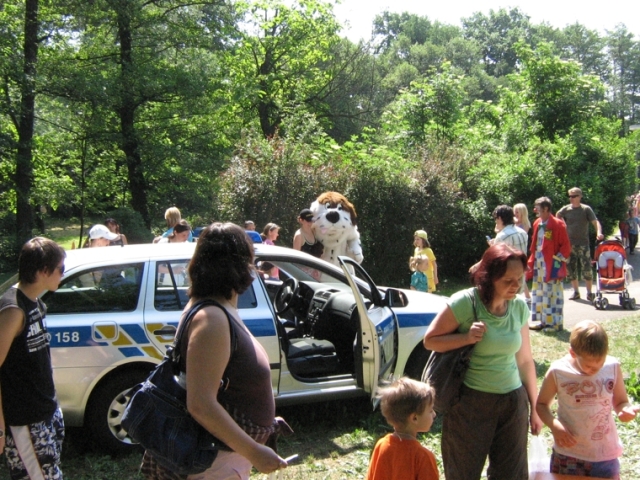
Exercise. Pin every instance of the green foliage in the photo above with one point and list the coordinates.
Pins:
(270, 180)
(633, 386)
(429, 108)
(8, 248)
(152, 104)
(497, 34)
(560, 94)
(132, 225)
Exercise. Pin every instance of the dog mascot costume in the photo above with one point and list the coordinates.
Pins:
(335, 224)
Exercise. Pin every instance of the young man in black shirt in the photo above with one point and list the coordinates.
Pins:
(31, 425)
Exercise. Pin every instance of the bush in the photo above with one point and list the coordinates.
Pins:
(8, 248)
(272, 180)
(132, 225)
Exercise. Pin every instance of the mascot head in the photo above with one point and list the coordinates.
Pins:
(335, 225)
(334, 217)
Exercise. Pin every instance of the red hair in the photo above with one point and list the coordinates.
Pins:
(493, 266)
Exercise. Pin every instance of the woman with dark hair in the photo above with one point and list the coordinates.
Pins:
(180, 233)
(114, 227)
(499, 387)
(218, 345)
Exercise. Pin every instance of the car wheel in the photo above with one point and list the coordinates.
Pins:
(416, 362)
(105, 409)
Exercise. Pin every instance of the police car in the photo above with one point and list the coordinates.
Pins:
(329, 332)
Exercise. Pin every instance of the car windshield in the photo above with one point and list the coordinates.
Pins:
(308, 272)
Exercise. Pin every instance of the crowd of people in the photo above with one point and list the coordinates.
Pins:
(499, 403)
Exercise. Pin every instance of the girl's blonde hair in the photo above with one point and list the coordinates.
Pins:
(172, 216)
(522, 214)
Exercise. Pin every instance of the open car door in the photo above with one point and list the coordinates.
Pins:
(378, 330)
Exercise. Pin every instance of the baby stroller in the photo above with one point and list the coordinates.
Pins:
(613, 274)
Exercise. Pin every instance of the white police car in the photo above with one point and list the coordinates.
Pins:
(329, 334)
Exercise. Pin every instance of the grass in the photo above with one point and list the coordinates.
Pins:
(334, 439)
(65, 233)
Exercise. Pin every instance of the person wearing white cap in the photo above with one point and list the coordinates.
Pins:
(100, 236)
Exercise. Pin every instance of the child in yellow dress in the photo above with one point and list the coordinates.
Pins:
(424, 259)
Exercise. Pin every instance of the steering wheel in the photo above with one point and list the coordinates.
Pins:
(285, 295)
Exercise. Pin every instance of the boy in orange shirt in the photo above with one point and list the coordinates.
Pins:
(407, 405)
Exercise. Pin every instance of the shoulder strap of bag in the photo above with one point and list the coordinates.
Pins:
(174, 351)
(472, 296)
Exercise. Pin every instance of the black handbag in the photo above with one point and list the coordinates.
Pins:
(445, 372)
(157, 416)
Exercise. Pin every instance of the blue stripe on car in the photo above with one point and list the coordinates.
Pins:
(136, 333)
(408, 320)
(65, 337)
(262, 327)
(131, 351)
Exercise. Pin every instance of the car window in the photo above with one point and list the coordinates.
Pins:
(172, 286)
(115, 288)
(308, 272)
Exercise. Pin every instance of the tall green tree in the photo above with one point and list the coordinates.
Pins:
(559, 94)
(281, 56)
(624, 52)
(18, 96)
(429, 109)
(153, 73)
(497, 34)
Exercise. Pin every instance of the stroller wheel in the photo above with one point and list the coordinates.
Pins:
(632, 304)
(604, 303)
(598, 304)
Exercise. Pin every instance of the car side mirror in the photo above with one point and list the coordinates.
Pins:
(395, 298)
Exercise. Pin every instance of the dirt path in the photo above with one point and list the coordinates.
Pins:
(576, 310)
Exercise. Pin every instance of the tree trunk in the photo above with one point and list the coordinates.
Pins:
(24, 153)
(130, 144)
(268, 111)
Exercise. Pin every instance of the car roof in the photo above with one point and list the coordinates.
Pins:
(149, 251)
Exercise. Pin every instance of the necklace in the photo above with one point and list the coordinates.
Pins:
(404, 436)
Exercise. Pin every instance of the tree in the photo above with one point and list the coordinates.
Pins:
(281, 57)
(497, 34)
(624, 53)
(559, 94)
(431, 106)
(152, 72)
(587, 48)
(18, 92)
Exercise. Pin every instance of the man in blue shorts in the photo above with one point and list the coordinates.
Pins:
(31, 425)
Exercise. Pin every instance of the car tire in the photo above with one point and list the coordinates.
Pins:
(416, 362)
(105, 409)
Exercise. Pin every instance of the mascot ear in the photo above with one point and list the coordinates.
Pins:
(354, 218)
(314, 207)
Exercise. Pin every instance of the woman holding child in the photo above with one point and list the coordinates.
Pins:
(493, 414)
